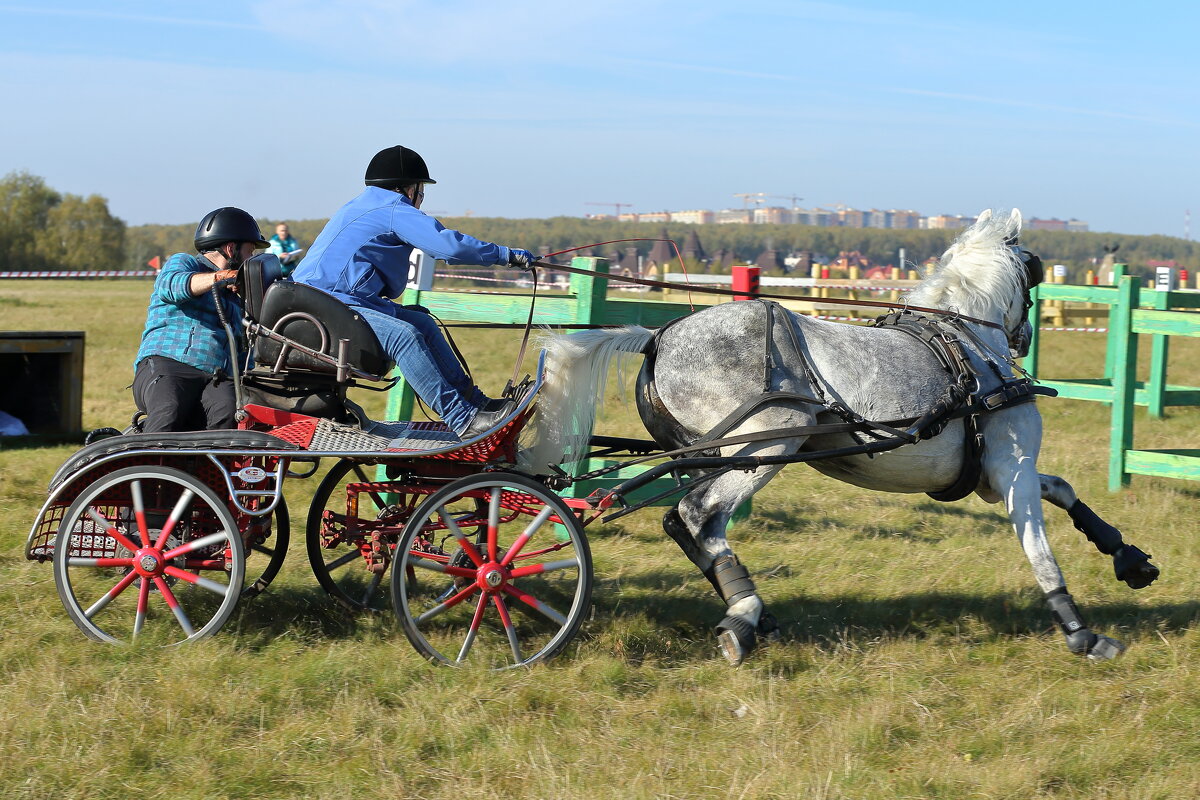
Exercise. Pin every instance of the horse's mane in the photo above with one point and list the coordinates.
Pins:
(979, 274)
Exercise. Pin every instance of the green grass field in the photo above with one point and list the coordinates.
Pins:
(917, 661)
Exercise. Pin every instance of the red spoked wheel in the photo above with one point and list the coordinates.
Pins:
(149, 545)
(495, 570)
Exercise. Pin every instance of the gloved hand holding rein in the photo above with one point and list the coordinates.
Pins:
(521, 259)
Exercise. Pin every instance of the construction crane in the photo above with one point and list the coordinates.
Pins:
(615, 206)
(792, 198)
(752, 197)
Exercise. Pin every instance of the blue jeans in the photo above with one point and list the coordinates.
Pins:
(416, 344)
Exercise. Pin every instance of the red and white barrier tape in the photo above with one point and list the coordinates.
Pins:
(83, 273)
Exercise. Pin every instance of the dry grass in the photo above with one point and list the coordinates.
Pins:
(917, 660)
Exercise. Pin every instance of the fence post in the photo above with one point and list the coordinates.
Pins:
(1160, 343)
(1035, 338)
(590, 292)
(746, 279)
(1118, 275)
(1123, 353)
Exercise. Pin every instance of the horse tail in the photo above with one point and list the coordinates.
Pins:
(575, 376)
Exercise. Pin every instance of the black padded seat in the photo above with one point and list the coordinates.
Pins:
(269, 299)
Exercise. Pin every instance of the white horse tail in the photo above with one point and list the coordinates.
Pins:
(576, 373)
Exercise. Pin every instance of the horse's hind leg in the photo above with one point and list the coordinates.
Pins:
(1130, 564)
(698, 525)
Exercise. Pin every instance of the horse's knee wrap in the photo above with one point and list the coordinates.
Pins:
(1130, 564)
(1106, 538)
(732, 580)
(1070, 621)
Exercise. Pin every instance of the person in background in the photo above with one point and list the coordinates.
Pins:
(362, 257)
(284, 246)
(182, 369)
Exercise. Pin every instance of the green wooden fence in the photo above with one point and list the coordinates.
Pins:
(1133, 311)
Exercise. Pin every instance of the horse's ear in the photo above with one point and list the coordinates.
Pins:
(1015, 218)
(984, 216)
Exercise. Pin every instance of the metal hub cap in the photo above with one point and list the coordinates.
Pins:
(148, 563)
(491, 578)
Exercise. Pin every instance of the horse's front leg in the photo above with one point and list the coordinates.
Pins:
(1129, 562)
(1010, 466)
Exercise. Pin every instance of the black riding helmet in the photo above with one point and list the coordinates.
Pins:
(397, 167)
(227, 224)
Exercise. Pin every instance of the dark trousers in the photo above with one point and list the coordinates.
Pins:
(178, 397)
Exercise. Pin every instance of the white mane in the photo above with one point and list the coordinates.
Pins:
(978, 275)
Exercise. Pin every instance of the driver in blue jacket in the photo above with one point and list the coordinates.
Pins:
(362, 258)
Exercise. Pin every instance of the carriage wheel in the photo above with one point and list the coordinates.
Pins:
(269, 536)
(350, 536)
(515, 596)
(149, 545)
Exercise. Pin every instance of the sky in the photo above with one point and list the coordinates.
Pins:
(538, 108)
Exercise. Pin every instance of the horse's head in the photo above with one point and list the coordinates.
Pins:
(1020, 329)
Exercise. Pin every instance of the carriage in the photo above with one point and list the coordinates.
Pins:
(162, 535)
(481, 559)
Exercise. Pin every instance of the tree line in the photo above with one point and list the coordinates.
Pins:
(41, 228)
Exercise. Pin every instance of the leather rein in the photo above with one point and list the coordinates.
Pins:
(768, 295)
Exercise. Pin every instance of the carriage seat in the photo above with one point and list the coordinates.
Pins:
(306, 315)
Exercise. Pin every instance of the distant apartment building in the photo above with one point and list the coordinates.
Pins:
(1056, 224)
(821, 217)
(734, 216)
(772, 215)
(695, 217)
(655, 216)
(851, 218)
(948, 221)
(817, 217)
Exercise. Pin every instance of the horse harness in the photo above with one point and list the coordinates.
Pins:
(978, 385)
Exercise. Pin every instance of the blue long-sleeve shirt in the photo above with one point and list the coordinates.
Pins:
(362, 256)
(186, 328)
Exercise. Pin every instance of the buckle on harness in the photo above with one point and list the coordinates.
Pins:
(1005, 395)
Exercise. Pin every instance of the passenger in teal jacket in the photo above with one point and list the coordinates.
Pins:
(362, 257)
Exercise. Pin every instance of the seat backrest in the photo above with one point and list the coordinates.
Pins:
(254, 277)
(284, 297)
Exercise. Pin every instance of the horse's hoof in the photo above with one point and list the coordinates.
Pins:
(1105, 649)
(735, 638)
(768, 627)
(1133, 567)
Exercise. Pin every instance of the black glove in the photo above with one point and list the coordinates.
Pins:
(521, 259)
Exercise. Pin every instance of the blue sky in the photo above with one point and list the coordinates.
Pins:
(539, 107)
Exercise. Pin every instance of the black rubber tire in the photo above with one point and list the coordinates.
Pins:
(345, 577)
(275, 548)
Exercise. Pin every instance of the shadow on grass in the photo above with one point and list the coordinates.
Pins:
(850, 618)
(677, 618)
(307, 612)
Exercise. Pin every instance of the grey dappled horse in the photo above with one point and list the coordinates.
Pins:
(705, 365)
